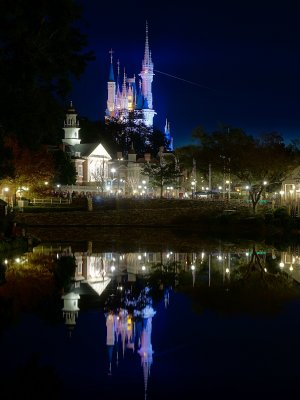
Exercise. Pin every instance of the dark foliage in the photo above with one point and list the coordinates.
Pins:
(41, 50)
(64, 272)
(65, 171)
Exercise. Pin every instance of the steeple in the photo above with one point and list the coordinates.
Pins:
(111, 69)
(124, 83)
(71, 126)
(118, 76)
(111, 89)
(70, 309)
(147, 54)
(147, 77)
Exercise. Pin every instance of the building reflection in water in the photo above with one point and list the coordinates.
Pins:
(98, 269)
(70, 309)
(130, 327)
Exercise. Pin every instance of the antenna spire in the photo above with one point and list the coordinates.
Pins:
(111, 55)
(147, 55)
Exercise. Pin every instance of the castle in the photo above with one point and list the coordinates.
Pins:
(131, 100)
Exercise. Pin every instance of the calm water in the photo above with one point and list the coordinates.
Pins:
(220, 322)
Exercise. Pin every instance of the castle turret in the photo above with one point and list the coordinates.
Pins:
(146, 351)
(111, 89)
(147, 78)
(127, 100)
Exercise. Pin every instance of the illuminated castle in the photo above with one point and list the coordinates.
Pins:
(130, 100)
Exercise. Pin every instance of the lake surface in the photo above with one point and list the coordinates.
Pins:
(223, 320)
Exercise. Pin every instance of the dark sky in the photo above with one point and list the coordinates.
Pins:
(242, 59)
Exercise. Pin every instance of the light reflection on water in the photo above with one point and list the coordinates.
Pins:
(94, 267)
(127, 331)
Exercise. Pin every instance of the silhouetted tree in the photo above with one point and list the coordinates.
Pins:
(41, 51)
(65, 171)
(164, 172)
(64, 271)
(156, 140)
(260, 163)
(27, 167)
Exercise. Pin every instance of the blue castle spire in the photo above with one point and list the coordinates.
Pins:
(111, 77)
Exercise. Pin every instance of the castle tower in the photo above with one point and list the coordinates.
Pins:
(147, 78)
(146, 351)
(128, 99)
(111, 89)
(71, 127)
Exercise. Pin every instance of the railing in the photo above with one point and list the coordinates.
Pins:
(54, 200)
(79, 188)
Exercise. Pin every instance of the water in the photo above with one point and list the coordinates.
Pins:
(217, 328)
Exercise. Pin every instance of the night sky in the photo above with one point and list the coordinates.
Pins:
(220, 62)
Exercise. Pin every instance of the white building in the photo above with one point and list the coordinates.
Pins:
(91, 159)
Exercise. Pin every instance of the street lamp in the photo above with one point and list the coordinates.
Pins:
(193, 185)
(226, 160)
(264, 189)
(229, 189)
(247, 188)
(281, 196)
(113, 170)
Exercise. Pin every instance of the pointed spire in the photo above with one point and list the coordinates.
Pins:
(111, 55)
(118, 78)
(147, 54)
(111, 70)
(124, 83)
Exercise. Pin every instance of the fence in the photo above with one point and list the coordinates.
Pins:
(54, 200)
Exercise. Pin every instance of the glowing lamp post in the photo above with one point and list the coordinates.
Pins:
(193, 185)
(281, 196)
(113, 170)
(264, 189)
(229, 188)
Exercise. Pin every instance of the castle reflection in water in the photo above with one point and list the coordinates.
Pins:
(129, 322)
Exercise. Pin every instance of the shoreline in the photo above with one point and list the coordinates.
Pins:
(157, 228)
